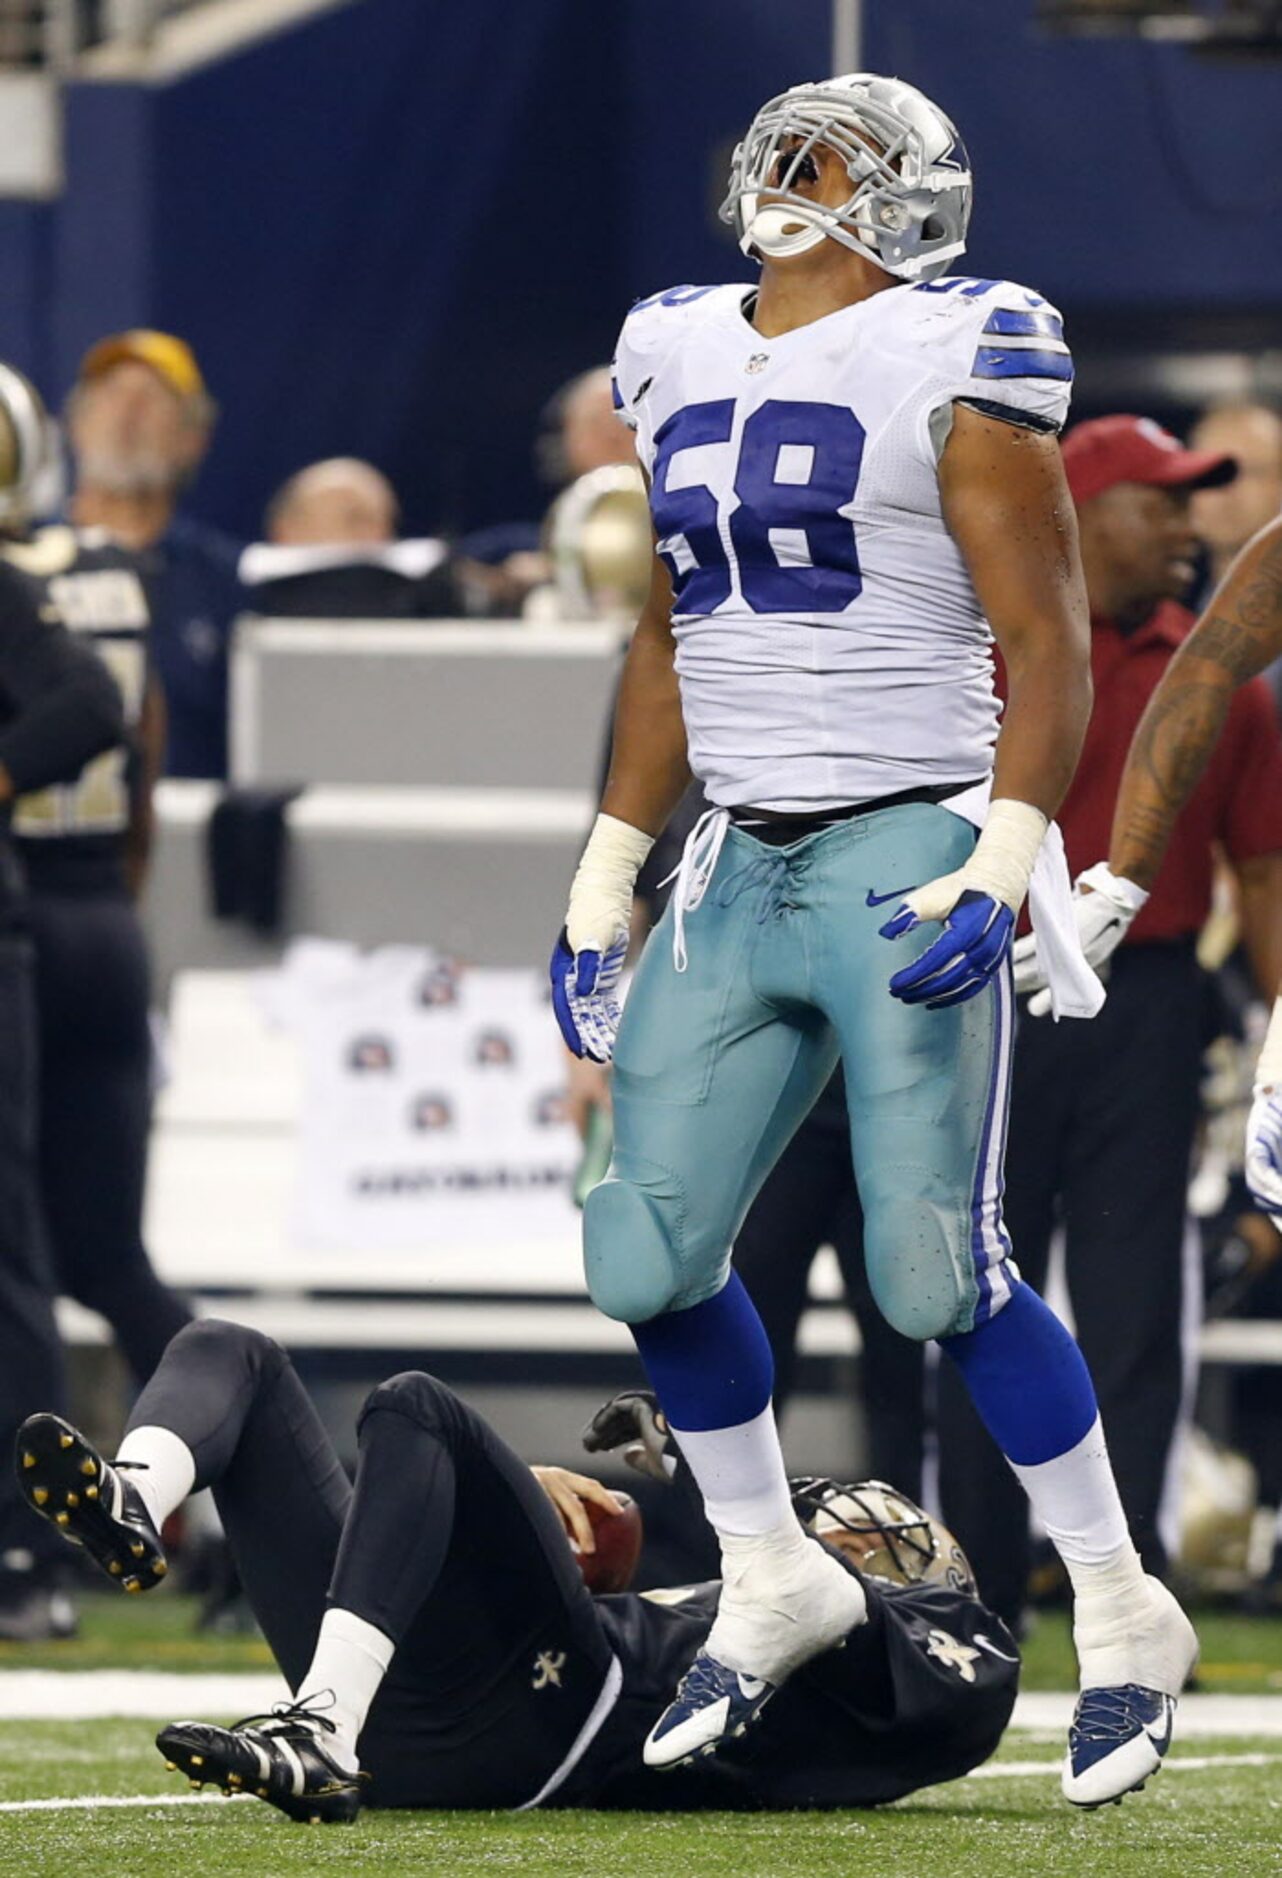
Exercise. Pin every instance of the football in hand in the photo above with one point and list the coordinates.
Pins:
(618, 1545)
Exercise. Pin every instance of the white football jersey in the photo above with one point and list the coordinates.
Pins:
(830, 647)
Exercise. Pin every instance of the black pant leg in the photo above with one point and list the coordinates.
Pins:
(95, 1116)
(453, 1549)
(792, 1216)
(1125, 1195)
(31, 1369)
(232, 1395)
(982, 1502)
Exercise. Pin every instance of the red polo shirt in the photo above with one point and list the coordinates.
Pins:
(1237, 804)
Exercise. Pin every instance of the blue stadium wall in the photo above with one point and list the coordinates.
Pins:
(395, 229)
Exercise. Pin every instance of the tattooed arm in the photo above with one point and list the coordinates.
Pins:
(1240, 633)
(1237, 637)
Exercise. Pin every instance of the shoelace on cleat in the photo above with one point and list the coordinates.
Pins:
(704, 1678)
(1112, 1715)
(286, 1715)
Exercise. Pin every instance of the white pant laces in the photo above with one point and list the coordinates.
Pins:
(693, 876)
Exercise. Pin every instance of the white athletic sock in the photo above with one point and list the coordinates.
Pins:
(741, 1476)
(350, 1662)
(161, 1468)
(1076, 1499)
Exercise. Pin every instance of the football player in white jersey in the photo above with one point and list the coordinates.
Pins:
(855, 485)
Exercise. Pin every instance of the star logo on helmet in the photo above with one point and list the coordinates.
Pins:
(955, 157)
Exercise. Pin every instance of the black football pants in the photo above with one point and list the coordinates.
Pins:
(94, 1049)
(1102, 1121)
(31, 1373)
(446, 1543)
(809, 1200)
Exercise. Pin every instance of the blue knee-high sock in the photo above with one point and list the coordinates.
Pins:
(1028, 1380)
(711, 1366)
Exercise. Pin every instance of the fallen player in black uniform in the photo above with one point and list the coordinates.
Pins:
(435, 1611)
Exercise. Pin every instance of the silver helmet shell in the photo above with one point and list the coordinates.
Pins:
(910, 177)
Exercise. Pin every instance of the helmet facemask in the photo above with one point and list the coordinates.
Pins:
(884, 1533)
(909, 202)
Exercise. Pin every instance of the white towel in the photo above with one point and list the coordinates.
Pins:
(1075, 988)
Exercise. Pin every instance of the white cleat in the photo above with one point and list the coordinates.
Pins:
(781, 1605)
(1122, 1726)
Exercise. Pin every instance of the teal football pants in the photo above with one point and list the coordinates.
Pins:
(716, 1066)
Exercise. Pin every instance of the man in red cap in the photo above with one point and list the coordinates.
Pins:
(1103, 1114)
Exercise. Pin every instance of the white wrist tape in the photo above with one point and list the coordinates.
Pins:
(601, 894)
(1006, 851)
(1115, 888)
(1001, 865)
(1268, 1071)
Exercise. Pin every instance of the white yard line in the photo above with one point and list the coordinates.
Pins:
(139, 1694)
(89, 1802)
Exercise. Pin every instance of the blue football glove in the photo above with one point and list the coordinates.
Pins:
(967, 954)
(583, 986)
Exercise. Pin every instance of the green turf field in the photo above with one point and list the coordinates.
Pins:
(1213, 1820)
(1216, 1810)
(1240, 1655)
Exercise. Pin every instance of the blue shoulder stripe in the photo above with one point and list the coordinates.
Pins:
(1022, 362)
(1009, 324)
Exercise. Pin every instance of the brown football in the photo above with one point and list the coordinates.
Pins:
(618, 1546)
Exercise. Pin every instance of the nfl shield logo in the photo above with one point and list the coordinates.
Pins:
(758, 362)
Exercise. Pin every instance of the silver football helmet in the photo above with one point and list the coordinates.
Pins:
(910, 178)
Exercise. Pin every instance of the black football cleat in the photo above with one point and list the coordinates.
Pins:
(93, 1504)
(277, 1758)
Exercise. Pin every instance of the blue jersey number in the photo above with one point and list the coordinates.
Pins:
(701, 575)
(798, 468)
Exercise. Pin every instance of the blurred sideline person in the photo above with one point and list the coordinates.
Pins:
(581, 429)
(84, 844)
(1226, 517)
(1103, 1116)
(501, 566)
(139, 421)
(837, 704)
(436, 1629)
(59, 710)
(332, 552)
(340, 501)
